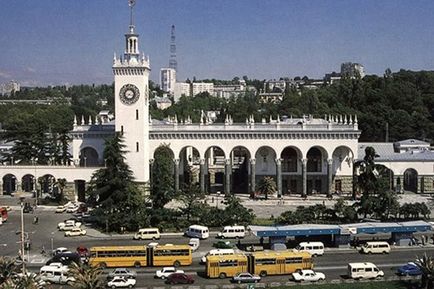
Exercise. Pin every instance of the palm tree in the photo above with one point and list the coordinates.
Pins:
(86, 277)
(7, 268)
(28, 281)
(267, 186)
(426, 264)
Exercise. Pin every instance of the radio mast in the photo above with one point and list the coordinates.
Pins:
(172, 60)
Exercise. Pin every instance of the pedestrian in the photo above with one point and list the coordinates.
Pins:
(35, 220)
(261, 240)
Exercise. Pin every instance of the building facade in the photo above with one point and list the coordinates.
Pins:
(304, 155)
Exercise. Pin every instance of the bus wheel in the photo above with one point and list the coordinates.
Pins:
(137, 264)
(263, 273)
(103, 265)
(222, 275)
(176, 263)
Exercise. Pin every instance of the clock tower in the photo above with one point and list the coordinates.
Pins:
(131, 73)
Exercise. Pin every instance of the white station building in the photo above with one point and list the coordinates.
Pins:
(304, 155)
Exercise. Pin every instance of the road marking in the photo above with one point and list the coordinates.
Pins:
(4, 245)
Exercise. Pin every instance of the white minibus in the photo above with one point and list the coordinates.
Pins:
(379, 247)
(147, 234)
(217, 252)
(364, 270)
(56, 275)
(314, 248)
(232, 232)
(197, 231)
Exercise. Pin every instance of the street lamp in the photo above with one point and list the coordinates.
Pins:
(22, 234)
(218, 195)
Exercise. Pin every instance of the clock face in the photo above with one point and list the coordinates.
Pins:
(129, 94)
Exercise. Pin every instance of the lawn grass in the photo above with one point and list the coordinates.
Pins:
(357, 285)
(263, 222)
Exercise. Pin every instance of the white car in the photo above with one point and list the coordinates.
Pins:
(121, 282)
(56, 265)
(61, 250)
(166, 271)
(60, 209)
(75, 232)
(307, 275)
(71, 209)
(68, 223)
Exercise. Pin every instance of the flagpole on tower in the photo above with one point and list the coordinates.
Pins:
(131, 3)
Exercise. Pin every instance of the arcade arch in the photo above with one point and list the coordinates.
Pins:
(214, 169)
(410, 180)
(291, 170)
(315, 170)
(89, 157)
(240, 163)
(9, 184)
(189, 165)
(28, 183)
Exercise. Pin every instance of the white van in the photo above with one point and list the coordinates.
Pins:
(196, 231)
(314, 248)
(375, 248)
(217, 252)
(232, 232)
(56, 274)
(147, 234)
(364, 270)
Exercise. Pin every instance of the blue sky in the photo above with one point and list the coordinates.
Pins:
(46, 42)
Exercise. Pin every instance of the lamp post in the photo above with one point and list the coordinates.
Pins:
(218, 195)
(22, 234)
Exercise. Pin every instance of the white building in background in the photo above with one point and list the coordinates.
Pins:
(168, 80)
(8, 88)
(230, 90)
(181, 88)
(352, 69)
(199, 87)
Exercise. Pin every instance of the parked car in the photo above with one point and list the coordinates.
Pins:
(179, 278)
(61, 250)
(307, 275)
(68, 227)
(72, 222)
(246, 278)
(75, 232)
(223, 245)
(166, 271)
(409, 269)
(121, 282)
(71, 209)
(60, 209)
(122, 272)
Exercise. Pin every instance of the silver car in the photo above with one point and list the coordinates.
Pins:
(246, 278)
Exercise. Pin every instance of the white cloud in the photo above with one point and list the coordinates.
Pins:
(4, 74)
(30, 69)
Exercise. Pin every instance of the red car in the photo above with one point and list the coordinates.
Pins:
(179, 278)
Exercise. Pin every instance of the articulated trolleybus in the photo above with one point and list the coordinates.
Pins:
(141, 256)
(261, 263)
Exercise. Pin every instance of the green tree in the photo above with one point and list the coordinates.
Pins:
(86, 277)
(235, 213)
(162, 186)
(61, 184)
(190, 196)
(267, 186)
(426, 264)
(7, 268)
(113, 189)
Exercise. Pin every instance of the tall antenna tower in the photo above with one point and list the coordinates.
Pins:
(172, 60)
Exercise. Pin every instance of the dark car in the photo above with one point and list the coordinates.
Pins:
(409, 269)
(65, 258)
(223, 245)
(179, 278)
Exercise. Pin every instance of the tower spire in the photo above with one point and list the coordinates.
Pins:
(131, 3)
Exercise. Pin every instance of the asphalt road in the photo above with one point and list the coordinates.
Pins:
(333, 263)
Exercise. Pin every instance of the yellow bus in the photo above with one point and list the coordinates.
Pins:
(118, 256)
(222, 266)
(140, 256)
(278, 262)
(168, 255)
(261, 263)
